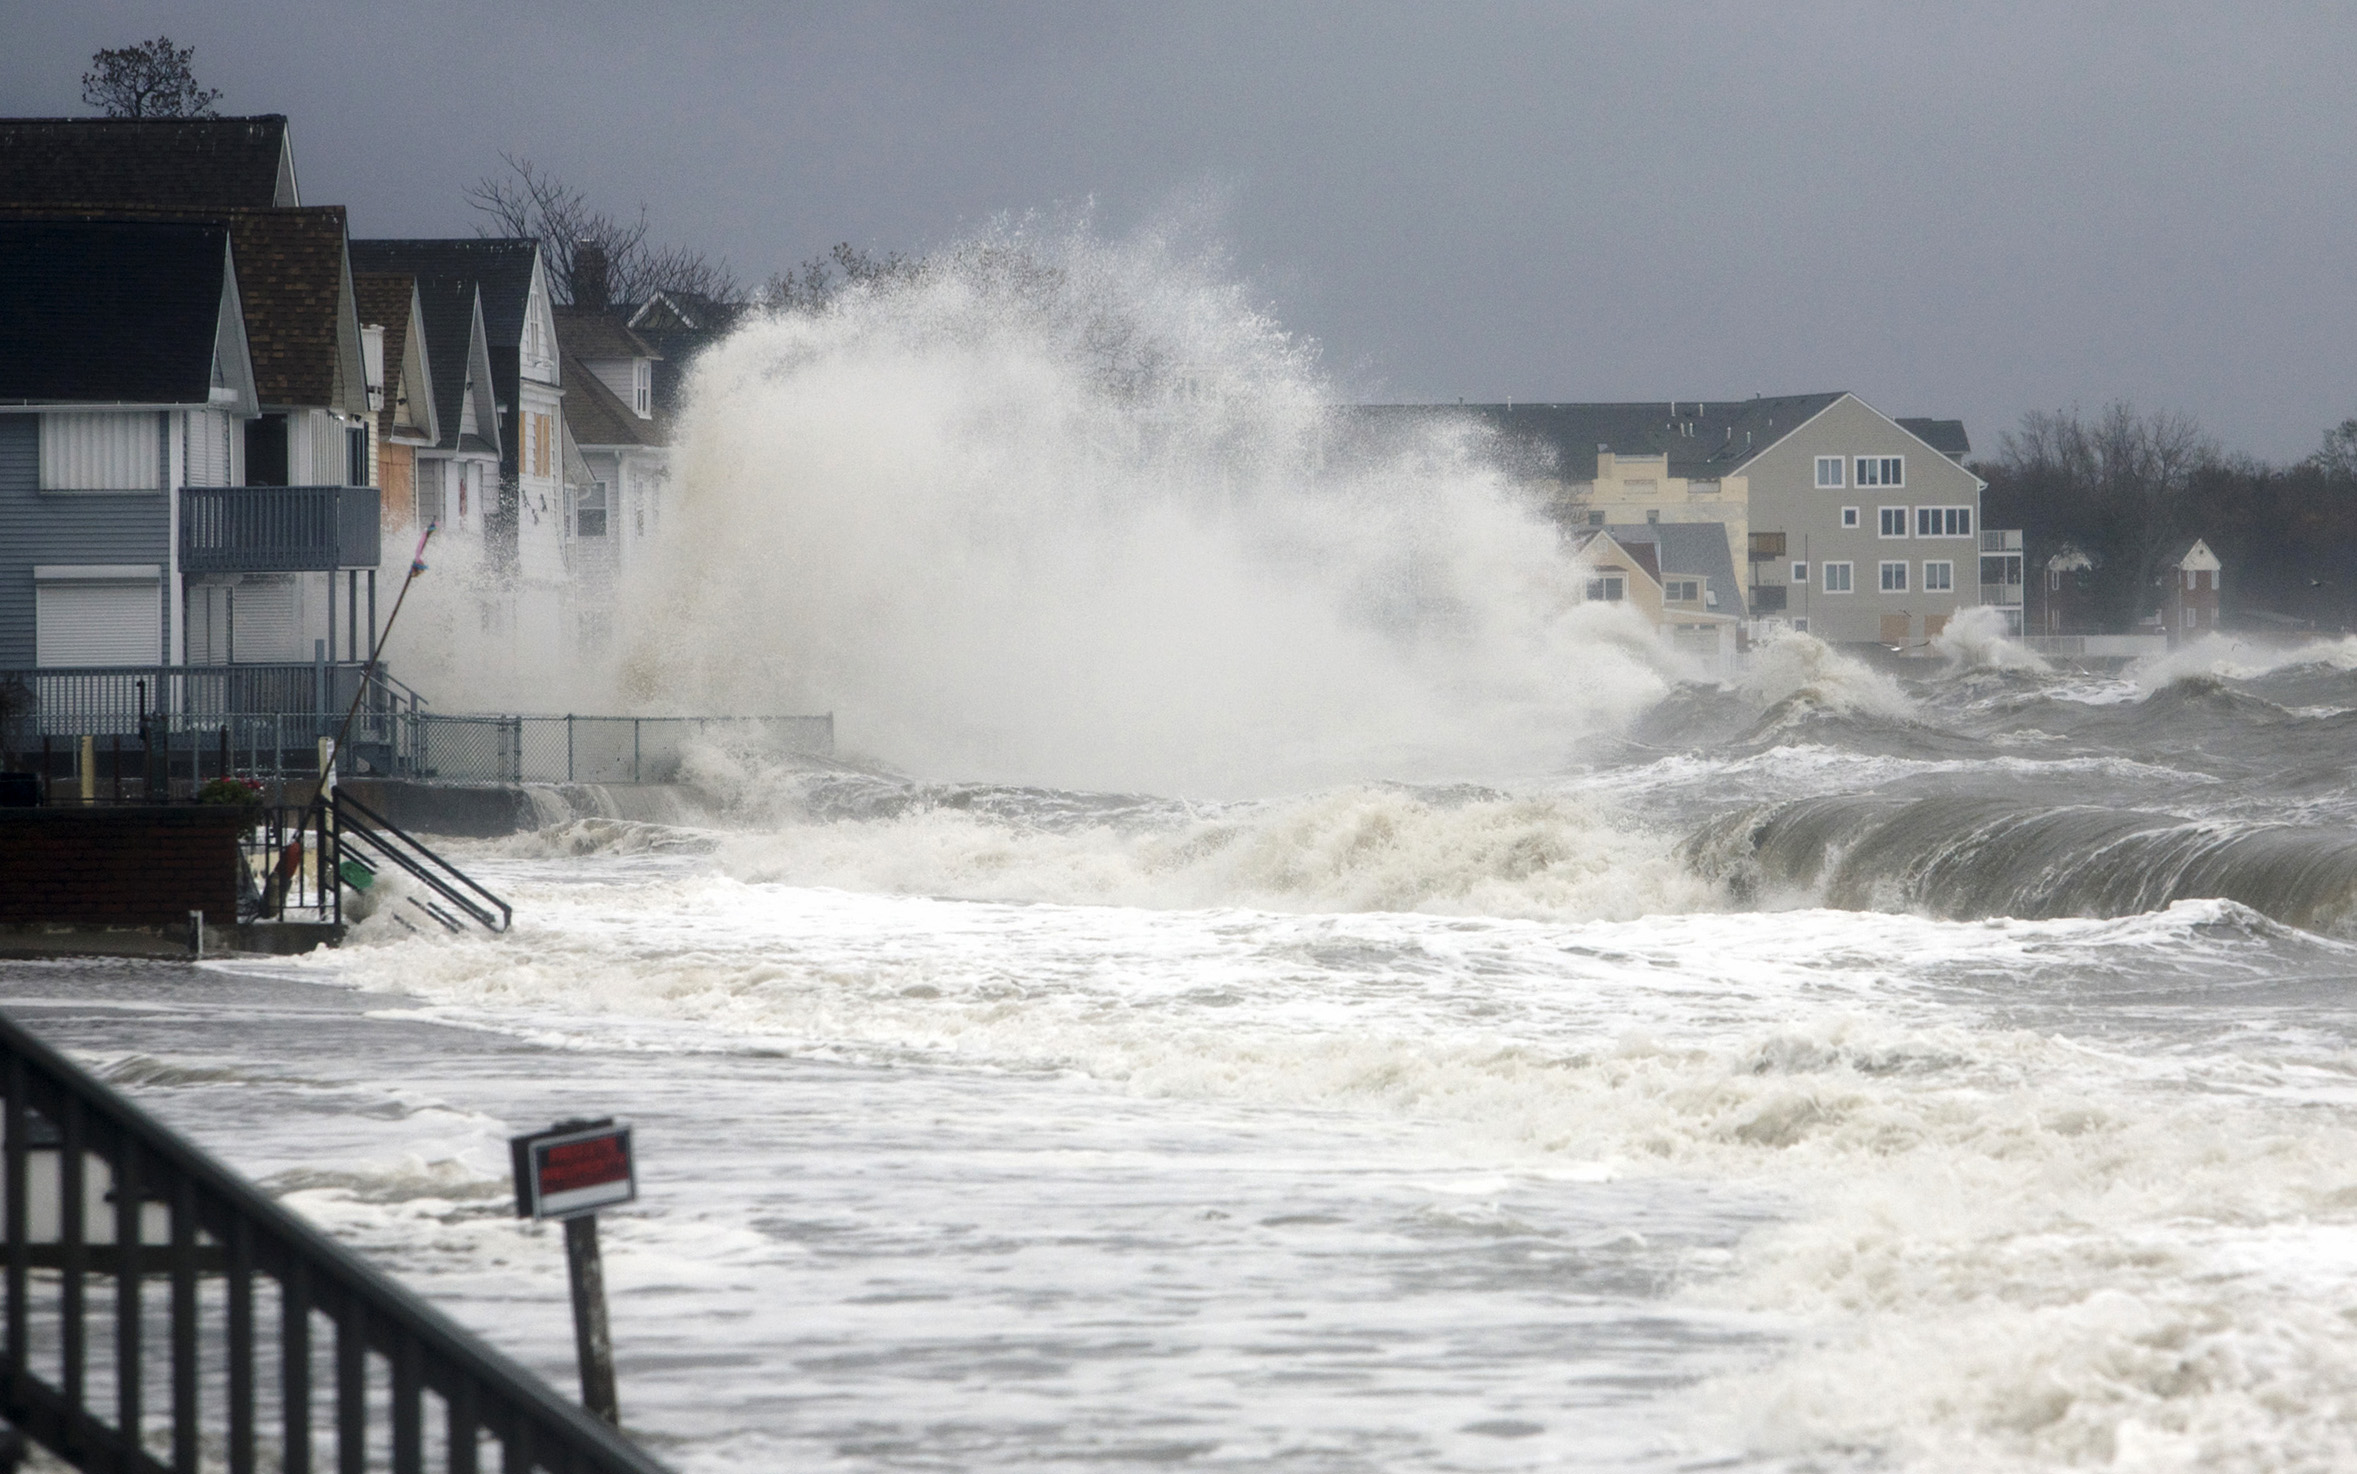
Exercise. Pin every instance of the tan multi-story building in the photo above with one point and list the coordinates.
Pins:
(1849, 524)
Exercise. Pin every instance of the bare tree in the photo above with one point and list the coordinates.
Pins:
(818, 281)
(593, 257)
(2122, 486)
(2337, 457)
(150, 80)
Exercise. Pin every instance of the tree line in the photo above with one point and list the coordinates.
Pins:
(2123, 488)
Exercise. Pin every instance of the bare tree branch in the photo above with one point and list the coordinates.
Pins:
(527, 201)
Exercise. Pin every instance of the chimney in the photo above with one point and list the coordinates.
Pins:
(591, 287)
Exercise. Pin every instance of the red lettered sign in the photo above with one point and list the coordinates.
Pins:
(567, 1171)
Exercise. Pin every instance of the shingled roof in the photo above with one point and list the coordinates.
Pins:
(592, 333)
(203, 163)
(503, 267)
(290, 266)
(109, 312)
(300, 321)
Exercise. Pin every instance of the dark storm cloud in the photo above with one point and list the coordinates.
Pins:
(1962, 211)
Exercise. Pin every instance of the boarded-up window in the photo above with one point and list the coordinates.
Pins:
(102, 452)
(97, 615)
(1894, 629)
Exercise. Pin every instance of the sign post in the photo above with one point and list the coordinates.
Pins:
(570, 1171)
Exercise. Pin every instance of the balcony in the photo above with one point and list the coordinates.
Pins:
(2002, 595)
(2001, 540)
(278, 529)
(1766, 546)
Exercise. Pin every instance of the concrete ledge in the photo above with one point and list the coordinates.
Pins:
(269, 938)
(470, 811)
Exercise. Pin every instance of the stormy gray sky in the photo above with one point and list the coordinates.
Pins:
(1958, 210)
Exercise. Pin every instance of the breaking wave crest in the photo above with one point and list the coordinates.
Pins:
(1963, 857)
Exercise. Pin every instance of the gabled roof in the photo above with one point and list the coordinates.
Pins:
(1689, 550)
(454, 354)
(1638, 555)
(599, 418)
(588, 333)
(111, 312)
(203, 163)
(502, 267)
(389, 300)
(2189, 552)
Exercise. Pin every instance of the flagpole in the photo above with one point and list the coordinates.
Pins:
(417, 565)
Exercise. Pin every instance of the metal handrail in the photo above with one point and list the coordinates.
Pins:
(52, 1105)
(356, 820)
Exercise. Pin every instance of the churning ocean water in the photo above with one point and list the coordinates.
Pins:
(1839, 1071)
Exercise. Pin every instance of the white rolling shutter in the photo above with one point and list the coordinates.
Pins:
(121, 451)
(106, 614)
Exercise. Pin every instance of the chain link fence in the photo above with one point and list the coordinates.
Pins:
(578, 749)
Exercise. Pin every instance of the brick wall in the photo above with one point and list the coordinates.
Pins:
(129, 866)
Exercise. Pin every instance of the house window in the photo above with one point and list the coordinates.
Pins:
(1608, 590)
(1894, 578)
(1939, 578)
(1800, 572)
(1653, 514)
(1943, 521)
(589, 519)
(2192, 618)
(642, 379)
(1882, 470)
(1849, 516)
(1837, 577)
(356, 456)
(1894, 521)
(1800, 626)
(1595, 519)
(1829, 471)
(1683, 591)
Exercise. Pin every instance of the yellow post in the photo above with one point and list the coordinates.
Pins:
(89, 768)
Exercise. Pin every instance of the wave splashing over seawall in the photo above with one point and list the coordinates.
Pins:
(1049, 509)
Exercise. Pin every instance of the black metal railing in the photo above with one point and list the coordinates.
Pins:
(279, 529)
(267, 1345)
(366, 839)
(289, 864)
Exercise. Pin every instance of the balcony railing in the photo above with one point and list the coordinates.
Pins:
(2001, 540)
(2003, 595)
(278, 529)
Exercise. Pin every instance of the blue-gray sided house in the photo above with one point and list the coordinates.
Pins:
(124, 374)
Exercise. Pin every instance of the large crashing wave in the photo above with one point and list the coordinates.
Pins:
(1053, 510)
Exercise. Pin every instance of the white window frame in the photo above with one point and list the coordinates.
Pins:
(1888, 471)
(1847, 583)
(1884, 516)
(1947, 584)
(1888, 569)
(1692, 586)
(1944, 521)
(1608, 588)
(1849, 516)
(1832, 464)
(1800, 570)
